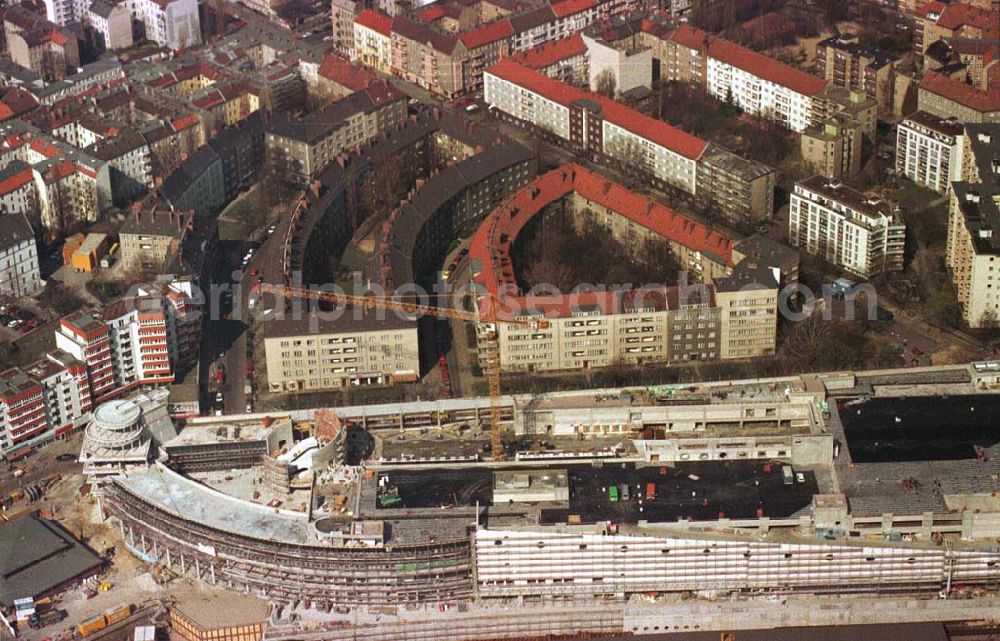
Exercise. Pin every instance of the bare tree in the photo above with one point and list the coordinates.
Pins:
(606, 85)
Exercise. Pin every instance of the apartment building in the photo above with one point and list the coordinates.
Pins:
(929, 150)
(130, 160)
(941, 96)
(566, 60)
(361, 347)
(446, 48)
(833, 148)
(306, 145)
(631, 65)
(113, 22)
(718, 309)
(858, 233)
(71, 187)
(844, 62)
(46, 399)
(835, 101)
(149, 239)
(18, 191)
(19, 275)
(373, 40)
(36, 44)
(170, 23)
(936, 21)
(649, 325)
(973, 252)
(139, 340)
(343, 13)
(748, 310)
(760, 85)
(594, 123)
(197, 185)
(740, 189)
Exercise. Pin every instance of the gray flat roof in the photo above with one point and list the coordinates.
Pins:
(190, 500)
(37, 556)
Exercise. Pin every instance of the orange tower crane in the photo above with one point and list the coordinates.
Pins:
(487, 325)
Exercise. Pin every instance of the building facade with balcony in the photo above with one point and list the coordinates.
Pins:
(929, 150)
(858, 233)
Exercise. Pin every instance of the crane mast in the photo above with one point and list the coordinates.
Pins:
(488, 335)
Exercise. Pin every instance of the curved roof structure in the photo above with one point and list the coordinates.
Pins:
(491, 244)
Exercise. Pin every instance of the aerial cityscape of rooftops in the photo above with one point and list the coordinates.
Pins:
(470, 320)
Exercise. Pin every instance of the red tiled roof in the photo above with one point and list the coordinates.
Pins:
(764, 67)
(212, 99)
(956, 16)
(5, 112)
(657, 131)
(569, 7)
(341, 71)
(966, 95)
(15, 182)
(180, 124)
(487, 34)
(491, 243)
(375, 21)
(931, 7)
(48, 150)
(431, 13)
(552, 52)
(382, 93)
(59, 171)
(688, 36)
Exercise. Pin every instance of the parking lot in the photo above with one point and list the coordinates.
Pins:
(699, 491)
(17, 320)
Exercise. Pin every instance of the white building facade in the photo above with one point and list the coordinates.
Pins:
(861, 235)
(19, 274)
(929, 151)
(170, 23)
(760, 85)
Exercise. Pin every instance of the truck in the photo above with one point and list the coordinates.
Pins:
(787, 475)
(650, 491)
(46, 618)
(613, 493)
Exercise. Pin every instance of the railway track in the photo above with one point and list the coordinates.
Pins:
(122, 630)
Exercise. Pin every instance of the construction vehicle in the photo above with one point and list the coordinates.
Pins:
(43, 619)
(487, 323)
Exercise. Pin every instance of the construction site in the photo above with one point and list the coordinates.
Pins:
(746, 490)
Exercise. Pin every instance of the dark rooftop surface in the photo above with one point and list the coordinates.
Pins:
(921, 429)
(734, 488)
(37, 556)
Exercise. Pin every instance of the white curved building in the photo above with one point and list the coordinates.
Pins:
(122, 434)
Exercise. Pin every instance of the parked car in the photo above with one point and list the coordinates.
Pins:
(66, 457)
